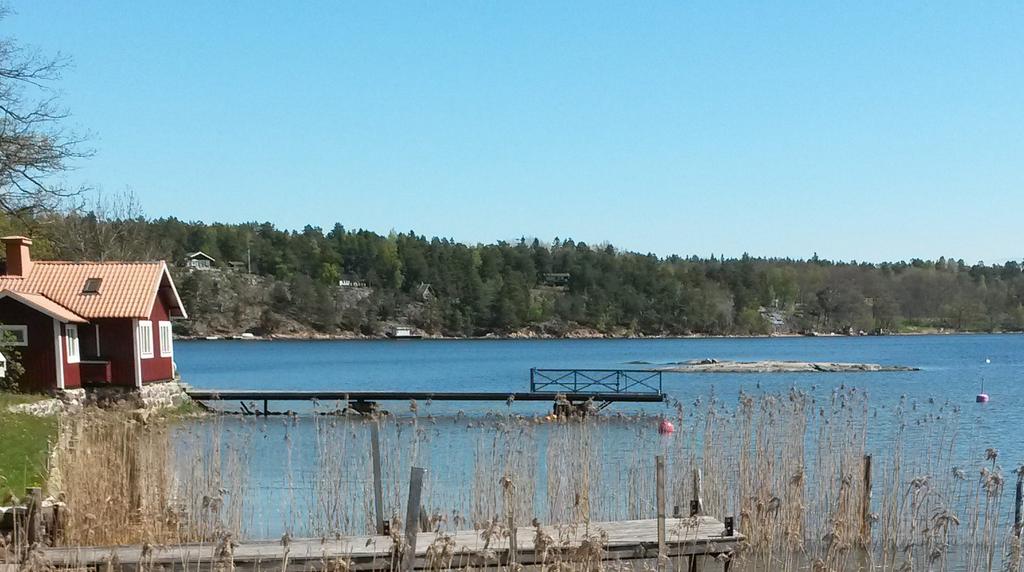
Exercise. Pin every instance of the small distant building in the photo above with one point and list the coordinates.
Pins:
(556, 278)
(238, 266)
(403, 333)
(424, 293)
(351, 282)
(83, 323)
(199, 260)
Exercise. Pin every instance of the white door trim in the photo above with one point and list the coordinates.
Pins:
(136, 353)
(58, 348)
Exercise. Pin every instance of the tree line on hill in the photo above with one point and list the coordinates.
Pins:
(346, 280)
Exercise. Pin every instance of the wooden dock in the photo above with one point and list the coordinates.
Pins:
(374, 396)
(694, 537)
(571, 390)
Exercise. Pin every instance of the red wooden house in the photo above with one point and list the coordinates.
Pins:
(82, 323)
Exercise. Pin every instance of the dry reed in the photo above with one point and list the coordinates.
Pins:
(789, 466)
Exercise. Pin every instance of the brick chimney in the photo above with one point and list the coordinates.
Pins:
(19, 259)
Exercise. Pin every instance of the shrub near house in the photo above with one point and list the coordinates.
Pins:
(81, 323)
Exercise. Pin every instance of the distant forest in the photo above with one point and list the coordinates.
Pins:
(359, 281)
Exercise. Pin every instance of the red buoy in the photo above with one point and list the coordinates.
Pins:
(666, 427)
(981, 398)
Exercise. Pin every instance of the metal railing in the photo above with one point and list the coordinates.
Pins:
(644, 381)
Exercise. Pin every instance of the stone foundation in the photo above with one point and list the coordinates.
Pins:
(164, 395)
(152, 396)
(43, 408)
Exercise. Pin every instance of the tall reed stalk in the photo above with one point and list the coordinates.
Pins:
(790, 466)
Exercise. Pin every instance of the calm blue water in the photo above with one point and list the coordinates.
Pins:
(953, 369)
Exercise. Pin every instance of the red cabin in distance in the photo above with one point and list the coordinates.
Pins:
(87, 323)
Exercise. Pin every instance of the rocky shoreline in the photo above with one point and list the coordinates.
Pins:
(777, 366)
(573, 334)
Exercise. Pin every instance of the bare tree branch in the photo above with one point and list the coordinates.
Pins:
(103, 227)
(34, 145)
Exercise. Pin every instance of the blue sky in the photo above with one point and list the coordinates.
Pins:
(858, 130)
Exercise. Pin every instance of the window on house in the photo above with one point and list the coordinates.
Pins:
(71, 333)
(146, 339)
(14, 335)
(166, 341)
(92, 286)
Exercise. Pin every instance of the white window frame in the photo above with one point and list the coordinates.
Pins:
(145, 339)
(12, 329)
(164, 328)
(73, 343)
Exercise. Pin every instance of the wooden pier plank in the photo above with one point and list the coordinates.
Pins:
(625, 540)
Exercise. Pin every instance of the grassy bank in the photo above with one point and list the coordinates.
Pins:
(26, 440)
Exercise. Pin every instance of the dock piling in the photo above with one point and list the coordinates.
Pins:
(510, 509)
(378, 492)
(697, 506)
(865, 518)
(659, 481)
(35, 515)
(1018, 505)
(730, 530)
(412, 516)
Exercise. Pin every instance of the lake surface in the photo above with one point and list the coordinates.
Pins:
(953, 369)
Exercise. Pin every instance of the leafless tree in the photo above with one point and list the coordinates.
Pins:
(102, 226)
(35, 145)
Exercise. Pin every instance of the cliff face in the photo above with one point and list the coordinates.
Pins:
(222, 302)
(225, 303)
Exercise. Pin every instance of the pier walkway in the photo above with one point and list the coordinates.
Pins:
(566, 388)
(694, 537)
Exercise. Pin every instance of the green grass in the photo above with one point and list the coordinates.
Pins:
(25, 440)
(182, 411)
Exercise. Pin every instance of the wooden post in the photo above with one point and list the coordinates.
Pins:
(35, 515)
(1018, 505)
(697, 507)
(412, 516)
(378, 492)
(659, 481)
(865, 515)
(510, 508)
(59, 518)
(730, 530)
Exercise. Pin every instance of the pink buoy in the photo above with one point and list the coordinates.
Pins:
(666, 427)
(981, 398)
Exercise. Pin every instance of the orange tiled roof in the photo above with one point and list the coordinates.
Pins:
(44, 305)
(127, 290)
